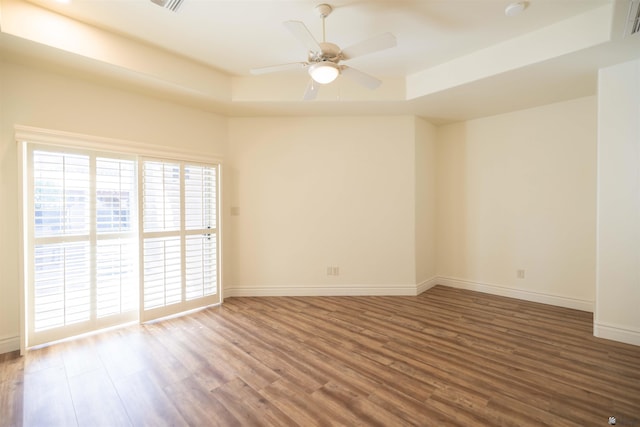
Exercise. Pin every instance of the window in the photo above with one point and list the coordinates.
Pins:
(95, 259)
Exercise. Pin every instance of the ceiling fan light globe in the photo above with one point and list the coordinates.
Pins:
(324, 72)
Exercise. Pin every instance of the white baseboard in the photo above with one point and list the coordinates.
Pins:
(9, 344)
(556, 300)
(406, 290)
(426, 285)
(307, 291)
(616, 333)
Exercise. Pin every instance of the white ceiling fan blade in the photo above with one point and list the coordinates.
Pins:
(276, 68)
(302, 33)
(374, 44)
(312, 91)
(358, 76)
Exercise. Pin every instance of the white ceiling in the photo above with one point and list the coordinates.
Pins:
(234, 36)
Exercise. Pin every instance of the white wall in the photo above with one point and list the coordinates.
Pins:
(517, 191)
(47, 100)
(319, 192)
(617, 313)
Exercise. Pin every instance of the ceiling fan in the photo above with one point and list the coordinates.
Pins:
(323, 62)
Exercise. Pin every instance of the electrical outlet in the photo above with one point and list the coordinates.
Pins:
(333, 270)
(520, 274)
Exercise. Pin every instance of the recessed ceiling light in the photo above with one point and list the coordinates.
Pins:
(516, 8)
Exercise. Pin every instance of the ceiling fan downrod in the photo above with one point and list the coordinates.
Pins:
(323, 10)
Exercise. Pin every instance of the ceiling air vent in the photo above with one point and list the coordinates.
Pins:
(633, 19)
(172, 5)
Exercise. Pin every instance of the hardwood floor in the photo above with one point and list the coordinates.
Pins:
(446, 357)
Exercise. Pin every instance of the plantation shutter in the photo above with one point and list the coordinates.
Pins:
(109, 236)
(83, 228)
(201, 231)
(117, 243)
(61, 245)
(179, 237)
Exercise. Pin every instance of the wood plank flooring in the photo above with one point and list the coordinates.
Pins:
(446, 357)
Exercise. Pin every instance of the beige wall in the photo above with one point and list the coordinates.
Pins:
(47, 100)
(319, 192)
(425, 203)
(617, 313)
(395, 202)
(517, 191)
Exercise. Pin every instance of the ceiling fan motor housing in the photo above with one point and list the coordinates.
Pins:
(330, 52)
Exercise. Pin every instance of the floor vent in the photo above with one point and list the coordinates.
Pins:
(172, 5)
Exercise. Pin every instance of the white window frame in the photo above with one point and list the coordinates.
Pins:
(25, 135)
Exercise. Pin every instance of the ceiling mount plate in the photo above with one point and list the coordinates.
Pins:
(516, 8)
(323, 10)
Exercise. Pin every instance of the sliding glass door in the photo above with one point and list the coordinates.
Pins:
(96, 260)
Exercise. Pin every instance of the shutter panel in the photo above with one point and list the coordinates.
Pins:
(61, 284)
(61, 194)
(179, 239)
(162, 272)
(61, 255)
(201, 248)
(84, 248)
(200, 197)
(201, 270)
(116, 241)
(116, 290)
(115, 196)
(161, 196)
(162, 248)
